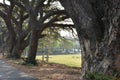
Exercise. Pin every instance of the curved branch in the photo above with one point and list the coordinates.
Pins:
(3, 15)
(53, 13)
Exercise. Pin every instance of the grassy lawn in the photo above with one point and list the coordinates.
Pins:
(69, 60)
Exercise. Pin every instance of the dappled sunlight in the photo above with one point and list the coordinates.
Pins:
(49, 71)
(60, 39)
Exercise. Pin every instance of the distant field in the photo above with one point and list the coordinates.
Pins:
(69, 60)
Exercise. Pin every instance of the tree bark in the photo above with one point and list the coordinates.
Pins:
(12, 36)
(99, 34)
(33, 44)
(19, 47)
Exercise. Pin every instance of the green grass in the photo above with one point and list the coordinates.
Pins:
(69, 60)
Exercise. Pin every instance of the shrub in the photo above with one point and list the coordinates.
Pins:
(98, 76)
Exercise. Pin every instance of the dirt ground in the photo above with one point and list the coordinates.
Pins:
(47, 71)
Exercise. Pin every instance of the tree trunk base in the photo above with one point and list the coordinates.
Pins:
(14, 56)
(30, 62)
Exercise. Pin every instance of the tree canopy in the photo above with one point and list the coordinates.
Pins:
(97, 24)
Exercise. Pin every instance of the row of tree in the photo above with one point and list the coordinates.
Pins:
(97, 24)
(25, 21)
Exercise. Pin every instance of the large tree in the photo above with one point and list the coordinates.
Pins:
(41, 16)
(98, 27)
(14, 18)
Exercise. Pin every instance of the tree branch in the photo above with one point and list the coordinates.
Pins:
(52, 13)
(3, 15)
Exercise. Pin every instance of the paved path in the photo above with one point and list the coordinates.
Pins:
(8, 72)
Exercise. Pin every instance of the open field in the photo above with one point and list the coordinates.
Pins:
(73, 60)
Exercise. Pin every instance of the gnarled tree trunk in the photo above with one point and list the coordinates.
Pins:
(98, 27)
(19, 47)
(12, 37)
